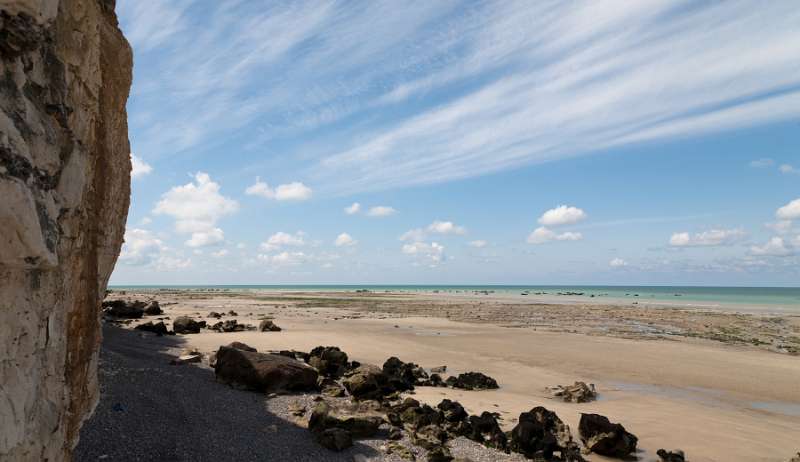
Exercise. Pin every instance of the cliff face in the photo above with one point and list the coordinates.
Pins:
(65, 73)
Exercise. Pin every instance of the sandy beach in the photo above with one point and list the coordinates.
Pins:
(720, 385)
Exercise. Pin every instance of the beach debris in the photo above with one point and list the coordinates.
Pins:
(579, 392)
(268, 325)
(330, 361)
(266, 373)
(439, 369)
(123, 309)
(153, 309)
(601, 436)
(158, 328)
(540, 433)
(186, 325)
(403, 376)
(187, 359)
(678, 456)
(472, 381)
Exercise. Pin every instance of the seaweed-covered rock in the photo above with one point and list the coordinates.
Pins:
(263, 372)
(540, 433)
(472, 381)
(601, 436)
(185, 325)
(330, 361)
(403, 376)
(485, 430)
(455, 418)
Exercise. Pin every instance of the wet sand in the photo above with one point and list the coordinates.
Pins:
(717, 399)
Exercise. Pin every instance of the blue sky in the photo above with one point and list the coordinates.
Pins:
(484, 142)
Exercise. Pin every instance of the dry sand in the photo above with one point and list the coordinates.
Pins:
(716, 400)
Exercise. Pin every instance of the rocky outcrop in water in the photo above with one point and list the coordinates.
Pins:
(65, 73)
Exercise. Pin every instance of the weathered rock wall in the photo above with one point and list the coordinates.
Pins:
(65, 73)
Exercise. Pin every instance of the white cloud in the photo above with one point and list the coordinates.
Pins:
(294, 191)
(446, 227)
(344, 240)
(711, 238)
(381, 211)
(790, 211)
(562, 215)
(352, 209)
(775, 247)
(542, 234)
(788, 169)
(219, 253)
(284, 258)
(139, 167)
(146, 221)
(206, 238)
(140, 247)
(282, 239)
(432, 254)
(617, 263)
(416, 234)
(780, 227)
(479, 243)
(762, 163)
(196, 208)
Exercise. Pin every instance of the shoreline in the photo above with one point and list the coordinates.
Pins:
(675, 392)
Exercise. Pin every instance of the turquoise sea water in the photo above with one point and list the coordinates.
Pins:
(784, 298)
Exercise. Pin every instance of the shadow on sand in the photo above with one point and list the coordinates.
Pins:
(150, 410)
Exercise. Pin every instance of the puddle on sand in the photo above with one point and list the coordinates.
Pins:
(777, 407)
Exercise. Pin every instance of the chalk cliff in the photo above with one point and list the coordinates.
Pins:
(65, 73)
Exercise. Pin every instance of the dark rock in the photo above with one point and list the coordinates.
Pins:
(230, 326)
(395, 433)
(123, 309)
(403, 376)
(334, 439)
(268, 326)
(215, 315)
(153, 309)
(330, 387)
(601, 436)
(435, 380)
(472, 381)
(185, 325)
(367, 382)
(678, 455)
(485, 430)
(158, 328)
(400, 450)
(242, 346)
(429, 437)
(232, 313)
(329, 361)
(420, 416)
(439, 454)
(263, 372)
(540, 433)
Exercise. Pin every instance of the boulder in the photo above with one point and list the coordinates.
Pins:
(158, 328)
(334, 439)
(485, 430)
(358, 424)
(403, 376)
(540, 433)
(367, 382)
(678, 456)
(439, 454)
(153, 309)
(401, 451)
(579, 392)
(329, 361)
(263, 372)
(215, 315)
(472, 381)
(242, 346)
(268, 326)
(435, 380)
(601, 436)
(230, 325)
(185, 325)
(429, 437)
(123, 309)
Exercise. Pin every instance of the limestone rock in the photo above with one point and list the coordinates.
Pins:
(65, 74)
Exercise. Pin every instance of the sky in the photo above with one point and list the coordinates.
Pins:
(501, 142)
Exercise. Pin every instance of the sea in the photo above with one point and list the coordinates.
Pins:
(783, 299)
